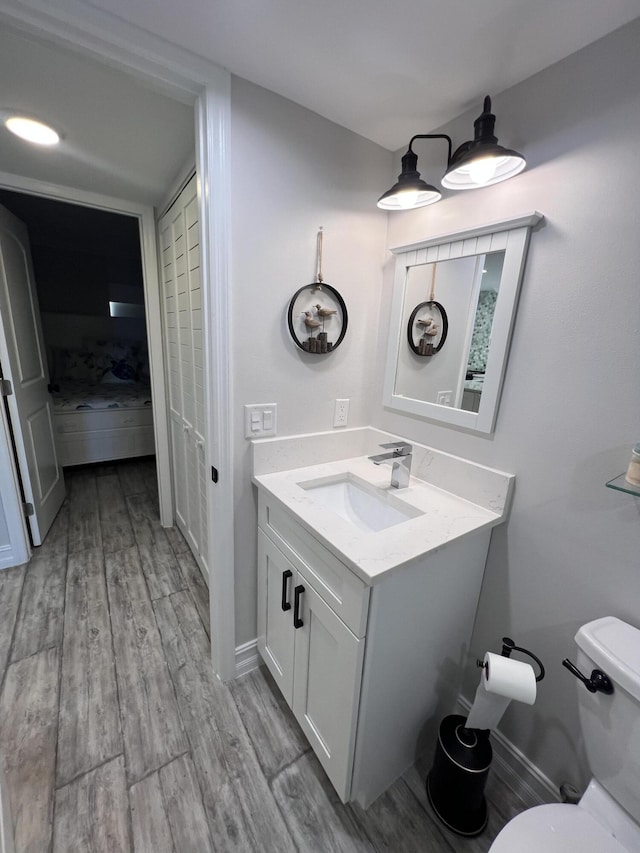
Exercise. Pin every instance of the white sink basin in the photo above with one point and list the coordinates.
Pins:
(358, 502)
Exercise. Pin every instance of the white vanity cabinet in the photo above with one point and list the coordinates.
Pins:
(373, 667)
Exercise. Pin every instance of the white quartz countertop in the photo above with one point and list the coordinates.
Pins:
(373, 555)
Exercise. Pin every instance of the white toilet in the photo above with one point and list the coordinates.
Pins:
(607, 818)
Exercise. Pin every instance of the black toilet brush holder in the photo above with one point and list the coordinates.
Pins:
(457, 779)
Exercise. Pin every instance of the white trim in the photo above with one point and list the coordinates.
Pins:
(152, 299)
(528, 220)
(212, 164)
(517, 772)
(468, 337)
(470, 242)
(247, 658)
(170, 68)
(180, 181)
(18, 549)
(6, 823)
(96, 33)
(148, 251)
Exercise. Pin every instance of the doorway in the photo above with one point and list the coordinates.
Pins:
(90, 296)
(206, 89)
(86, 340)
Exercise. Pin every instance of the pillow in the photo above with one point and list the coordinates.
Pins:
(120, 372)
(117, 353)
(74, 364)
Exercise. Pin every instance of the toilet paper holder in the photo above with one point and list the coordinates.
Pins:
(508, 646)
(462, 761)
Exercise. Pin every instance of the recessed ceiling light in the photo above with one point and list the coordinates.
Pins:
(32, 130)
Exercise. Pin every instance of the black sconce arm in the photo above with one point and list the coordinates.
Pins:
(433, 136)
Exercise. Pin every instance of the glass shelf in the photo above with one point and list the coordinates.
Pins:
(621, 485)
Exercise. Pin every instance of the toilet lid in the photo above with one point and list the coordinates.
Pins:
(555, 828)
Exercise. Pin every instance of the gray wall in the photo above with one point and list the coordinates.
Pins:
(293, 171)
(570, 408)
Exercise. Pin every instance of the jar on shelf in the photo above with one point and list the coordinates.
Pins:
(633, 471)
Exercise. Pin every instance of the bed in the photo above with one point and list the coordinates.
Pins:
(102, 402)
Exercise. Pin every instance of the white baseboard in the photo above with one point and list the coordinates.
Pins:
(6, 826)
(516, 770)
(247, 658)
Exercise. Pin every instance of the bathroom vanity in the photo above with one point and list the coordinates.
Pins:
(367, 596)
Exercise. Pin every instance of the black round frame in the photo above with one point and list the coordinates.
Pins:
(343, 308)
(445, 327)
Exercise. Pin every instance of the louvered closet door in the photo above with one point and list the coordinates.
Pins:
(182, 307)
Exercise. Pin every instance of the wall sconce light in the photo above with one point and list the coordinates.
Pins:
(411, 191)
(477, 163)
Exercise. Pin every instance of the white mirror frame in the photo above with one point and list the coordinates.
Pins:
(510, 236)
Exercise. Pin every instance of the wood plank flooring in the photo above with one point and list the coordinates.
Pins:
(89, 722)
(116, 736)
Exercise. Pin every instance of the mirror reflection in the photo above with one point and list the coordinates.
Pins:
(467, 289)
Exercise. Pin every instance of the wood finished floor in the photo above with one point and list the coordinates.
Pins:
(117, 737)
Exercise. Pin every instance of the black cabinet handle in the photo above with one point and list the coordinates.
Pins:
(286, 605)
(297, 621)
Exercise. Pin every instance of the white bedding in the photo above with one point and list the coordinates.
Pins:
(102, 401)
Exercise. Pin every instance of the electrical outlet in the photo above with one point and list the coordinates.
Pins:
(260, 420)
(341, 413)
(444, 398)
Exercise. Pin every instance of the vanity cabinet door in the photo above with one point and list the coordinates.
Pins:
(326, 685)
(276, 581)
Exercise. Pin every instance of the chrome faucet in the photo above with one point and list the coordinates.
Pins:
(400, 458)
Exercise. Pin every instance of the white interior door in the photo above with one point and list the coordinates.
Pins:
(24, 364)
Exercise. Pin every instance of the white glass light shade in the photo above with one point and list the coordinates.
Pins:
(483, 170)
(410, 191)
(409, 198)
(482, 162)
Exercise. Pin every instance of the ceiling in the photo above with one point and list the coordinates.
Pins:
(120, 138)
(384, 70)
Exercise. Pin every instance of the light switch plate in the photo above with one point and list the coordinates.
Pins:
(260, 420)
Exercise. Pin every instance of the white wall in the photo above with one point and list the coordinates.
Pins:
(570, 408)
(74, 330)
(293, 171)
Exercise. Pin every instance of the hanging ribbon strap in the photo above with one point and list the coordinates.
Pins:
(432, 294)
(319, 278)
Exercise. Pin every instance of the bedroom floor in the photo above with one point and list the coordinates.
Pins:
(117, 737)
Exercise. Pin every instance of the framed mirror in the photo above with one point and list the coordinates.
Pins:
(474, 276)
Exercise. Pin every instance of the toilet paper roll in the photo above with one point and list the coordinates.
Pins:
(502, 680)
(508, 677)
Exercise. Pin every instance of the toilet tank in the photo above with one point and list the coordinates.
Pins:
(611, 724)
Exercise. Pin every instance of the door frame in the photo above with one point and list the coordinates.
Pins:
(18, 549)
(207, 87)
(149, 257)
